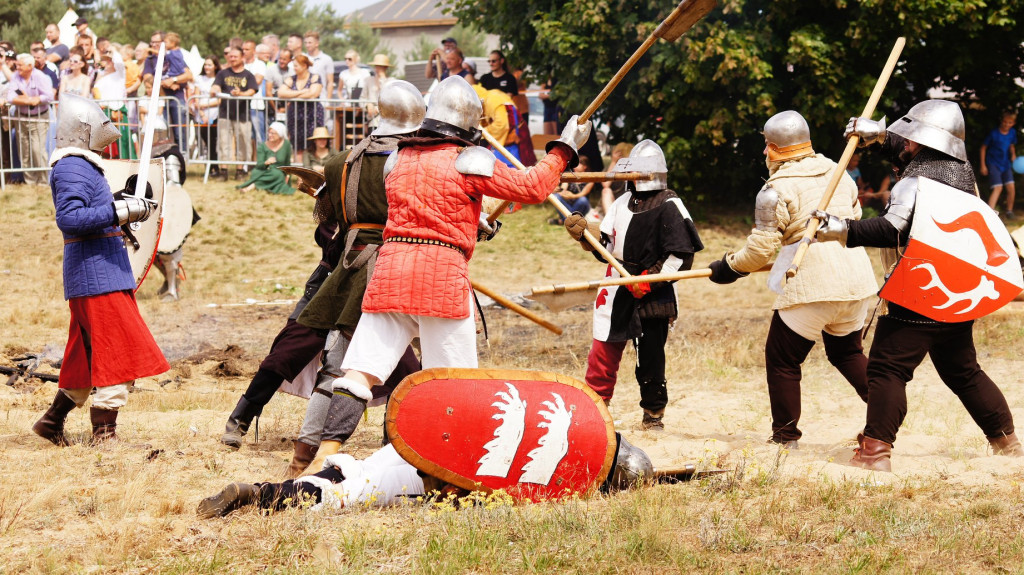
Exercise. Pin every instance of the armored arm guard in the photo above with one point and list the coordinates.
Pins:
(891, 228)
(766, 236)
(475, 161)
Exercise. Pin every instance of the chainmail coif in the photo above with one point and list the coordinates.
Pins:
(935, 165)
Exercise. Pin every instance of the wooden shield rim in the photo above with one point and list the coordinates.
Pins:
(420, 377)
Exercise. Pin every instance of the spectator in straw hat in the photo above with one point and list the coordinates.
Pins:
(380, 64)
(318, 154)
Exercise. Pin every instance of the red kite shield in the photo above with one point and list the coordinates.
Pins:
(960, 263)
(537, 435)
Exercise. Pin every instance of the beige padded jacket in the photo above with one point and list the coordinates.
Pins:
(829, 272)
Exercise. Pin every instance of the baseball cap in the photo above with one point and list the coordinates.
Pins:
(450, 39)
(81, 21)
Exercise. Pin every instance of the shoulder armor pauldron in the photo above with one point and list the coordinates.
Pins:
(475, 161)
(901, 204)
(765, 217)
(391, 162)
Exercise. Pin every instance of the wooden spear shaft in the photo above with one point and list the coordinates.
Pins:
(584, 177)
(652, 278)
(594, 242)
(851, 147)
(507, 303)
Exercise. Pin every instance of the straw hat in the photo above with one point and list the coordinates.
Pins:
(381, 60)
(320, 133)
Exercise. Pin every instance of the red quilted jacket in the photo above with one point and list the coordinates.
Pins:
(429, 199)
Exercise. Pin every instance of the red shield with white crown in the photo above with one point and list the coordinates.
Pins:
(960, 263)
(536, 435)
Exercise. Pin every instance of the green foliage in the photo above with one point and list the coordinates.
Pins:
(705, 97)
(359, 36)
(421, 49)
(25, 22)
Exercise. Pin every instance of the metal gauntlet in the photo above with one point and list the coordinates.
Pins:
(831, 228)
(131, 209)
(868, 130)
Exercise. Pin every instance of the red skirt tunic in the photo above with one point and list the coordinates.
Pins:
(108, 343)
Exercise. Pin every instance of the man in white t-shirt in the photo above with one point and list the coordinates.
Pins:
(257, 109)
(323, 65)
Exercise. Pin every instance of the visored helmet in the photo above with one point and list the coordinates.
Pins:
(937, 124)
(646, 156)
(81, 123)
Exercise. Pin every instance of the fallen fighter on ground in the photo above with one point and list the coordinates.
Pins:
(382, 479)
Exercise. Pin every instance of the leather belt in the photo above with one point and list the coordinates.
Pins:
(116, 234)
(427, 242)
(366, 227)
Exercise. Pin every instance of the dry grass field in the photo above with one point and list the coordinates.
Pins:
(130, 507)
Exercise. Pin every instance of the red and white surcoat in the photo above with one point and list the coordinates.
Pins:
(428, 199)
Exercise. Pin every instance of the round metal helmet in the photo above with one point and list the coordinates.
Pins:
(787, 136)
(646, 157)
(172, 168)
(81, 123)
(937, 124)
(401, 108)
(632, 466)
(454, 110)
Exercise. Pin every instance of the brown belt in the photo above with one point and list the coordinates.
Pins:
(366, 227)
(427, 242)
(116, 234)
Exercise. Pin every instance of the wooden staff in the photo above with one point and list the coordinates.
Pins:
(507, 303)
(652, 278)
(851, 147)
(594, 242)
(686, 14)
(584, 177)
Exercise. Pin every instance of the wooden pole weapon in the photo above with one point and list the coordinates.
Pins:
(851, 147)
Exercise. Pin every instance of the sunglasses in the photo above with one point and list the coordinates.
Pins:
(349, 59)
(492, 61)
(76, 61)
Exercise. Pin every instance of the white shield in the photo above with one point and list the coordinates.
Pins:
(148, 232)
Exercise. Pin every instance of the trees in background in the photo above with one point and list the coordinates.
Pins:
(705, 97)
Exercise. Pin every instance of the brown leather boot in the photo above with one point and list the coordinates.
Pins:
(1006, 445)
(230, 498)
(104, 424)
(872, 454)
(51, 425)
(304, 455)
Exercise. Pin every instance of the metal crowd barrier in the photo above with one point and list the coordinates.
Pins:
(27, 141)
(231, 139)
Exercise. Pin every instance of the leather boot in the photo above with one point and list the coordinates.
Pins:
(1006, 445)
(230, 498)
(239, 422)
(51, 425)
(104, 424)
(304, 454)
(873, 454)
(327, 448)
(652, 420)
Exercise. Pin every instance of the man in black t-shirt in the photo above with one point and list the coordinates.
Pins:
(499, 78)
(234, 84)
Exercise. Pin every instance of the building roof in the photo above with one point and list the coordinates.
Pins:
(404, 13)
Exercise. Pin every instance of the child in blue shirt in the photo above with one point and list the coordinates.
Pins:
(997, 156)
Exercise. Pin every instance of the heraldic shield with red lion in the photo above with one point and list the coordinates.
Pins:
(536, 435)
(960, 263)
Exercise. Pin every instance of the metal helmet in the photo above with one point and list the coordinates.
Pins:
(646, 157)
(401, 108)
(172, 168)
(937, 124)
(454, 110)
(81, 123)
(787, 137)
(632, 466)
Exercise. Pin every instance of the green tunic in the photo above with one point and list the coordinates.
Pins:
(270, 178)
(339, 302)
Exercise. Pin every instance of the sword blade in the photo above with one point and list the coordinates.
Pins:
(147, 143)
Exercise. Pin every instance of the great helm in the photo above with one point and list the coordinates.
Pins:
(646, 157)
(937, 124)
(454, 110)
(401, 108)
(632, 466)
(81, 123)
(787, 137)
